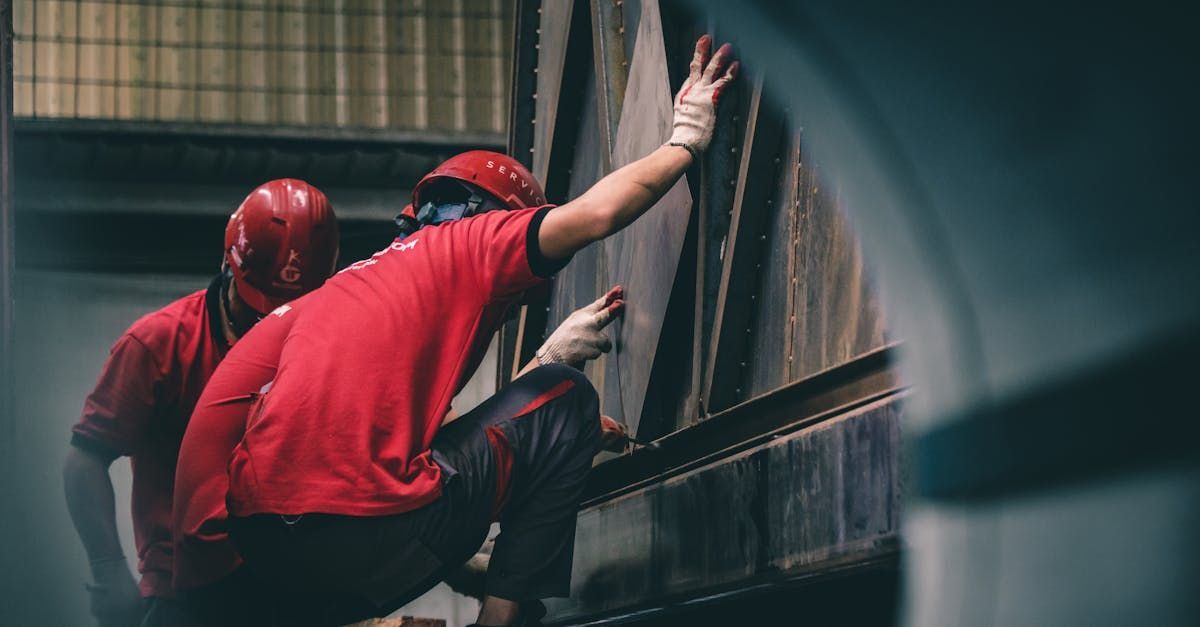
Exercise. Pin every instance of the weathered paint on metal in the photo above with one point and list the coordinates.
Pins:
(759, 169)
(801, 504)
(644, 257)
(611, 70)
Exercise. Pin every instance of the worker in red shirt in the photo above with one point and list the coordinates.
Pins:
(346, 493)
(280, 243)
(213, 585)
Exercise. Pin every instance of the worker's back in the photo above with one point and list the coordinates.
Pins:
(370, 366)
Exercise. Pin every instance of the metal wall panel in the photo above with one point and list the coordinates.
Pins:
(797, 294)
(416, 64)
(790, 469)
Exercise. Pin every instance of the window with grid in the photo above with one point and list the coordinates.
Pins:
(411, 64)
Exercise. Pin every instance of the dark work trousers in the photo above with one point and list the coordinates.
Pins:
(162, 612)
(331, 570)
(235, 600)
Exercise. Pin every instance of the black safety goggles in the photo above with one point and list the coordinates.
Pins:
(455, 202)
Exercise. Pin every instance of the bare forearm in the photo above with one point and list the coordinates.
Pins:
(90, 500)
(613, 203)
(631, 190)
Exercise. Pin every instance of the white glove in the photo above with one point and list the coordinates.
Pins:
(696, 103)
(580, 337)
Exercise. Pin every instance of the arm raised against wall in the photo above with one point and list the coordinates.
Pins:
(621, 197)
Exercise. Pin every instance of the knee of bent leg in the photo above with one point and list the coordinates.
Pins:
(584, 413)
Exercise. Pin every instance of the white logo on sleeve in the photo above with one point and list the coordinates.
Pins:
(397, 246)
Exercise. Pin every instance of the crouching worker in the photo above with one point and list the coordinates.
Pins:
(214, 585)
(346, 494)
(280, 243)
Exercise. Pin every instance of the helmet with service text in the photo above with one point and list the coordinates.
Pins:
(281, 243)
(469, 184)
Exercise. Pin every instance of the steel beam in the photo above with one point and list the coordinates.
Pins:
(612, 71)
(791, 407)
(808, 504)
(755, 184)
(524, 80)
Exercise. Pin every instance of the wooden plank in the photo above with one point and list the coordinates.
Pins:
(756, 176)
(644, 257)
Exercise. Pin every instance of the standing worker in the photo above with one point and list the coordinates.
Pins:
(281, 242)
(346, 493)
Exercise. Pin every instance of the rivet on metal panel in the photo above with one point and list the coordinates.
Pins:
(762, 237)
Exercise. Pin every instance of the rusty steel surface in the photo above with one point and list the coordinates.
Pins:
(820, 397)
(790, 507)
(523, 105)
(759, 169)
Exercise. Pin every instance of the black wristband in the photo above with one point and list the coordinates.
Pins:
(695, 154)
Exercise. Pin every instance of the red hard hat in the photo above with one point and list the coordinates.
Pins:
(281, 243)
(497, 174)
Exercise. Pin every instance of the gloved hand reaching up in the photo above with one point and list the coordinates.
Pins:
(696, 103)
(581, 336)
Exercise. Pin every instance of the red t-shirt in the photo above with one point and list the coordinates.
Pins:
(140, 407)
(371, 363)
(203, 551)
